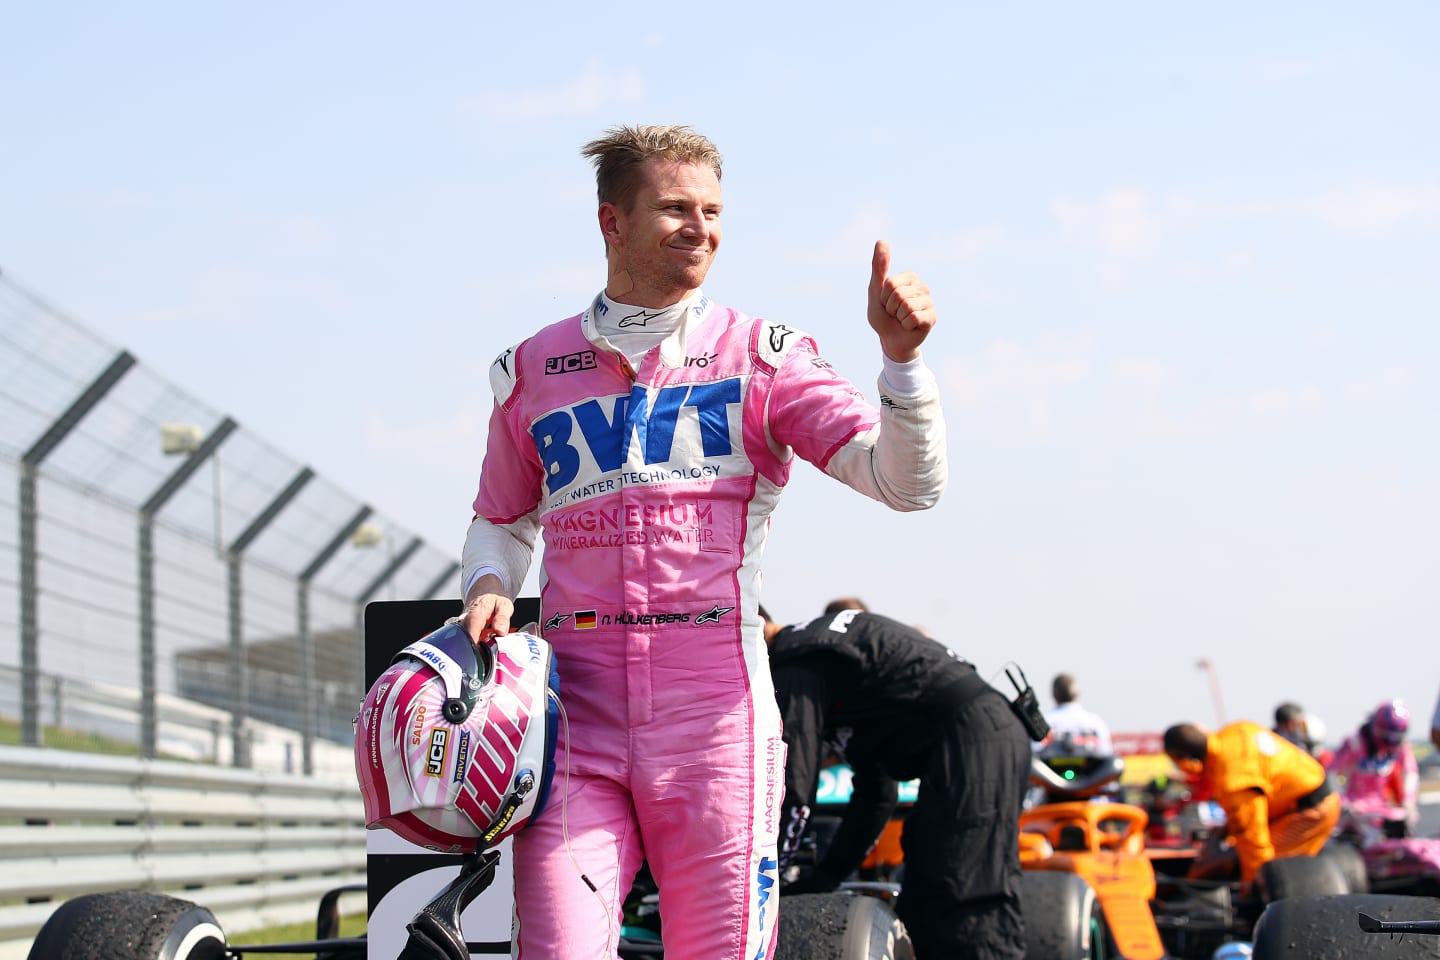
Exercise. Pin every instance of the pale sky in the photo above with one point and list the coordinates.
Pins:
(1186, 261)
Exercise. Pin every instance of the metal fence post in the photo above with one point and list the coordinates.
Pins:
(373, 587)
(31, 733)
(149, 721)
(307, 643)
(240, 669)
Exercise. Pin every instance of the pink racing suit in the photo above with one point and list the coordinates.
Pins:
(652, 491)
(1375, 782)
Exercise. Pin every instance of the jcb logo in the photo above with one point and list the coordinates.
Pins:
(439, 747)
(571, 362)
(632, 419)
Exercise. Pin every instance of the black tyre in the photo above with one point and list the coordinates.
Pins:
(840, 926)
(1351, 863)
(1287, 877)
(1063, 919)
(129, 925)
(1328, 928)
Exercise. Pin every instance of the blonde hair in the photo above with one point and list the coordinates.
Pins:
(619, 155)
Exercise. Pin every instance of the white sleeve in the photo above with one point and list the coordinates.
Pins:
(502, 549)
(901, 461)
(1104, 745)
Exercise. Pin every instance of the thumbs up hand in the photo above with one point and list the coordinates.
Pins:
(901, 310)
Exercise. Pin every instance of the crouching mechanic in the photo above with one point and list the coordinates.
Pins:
(897, 705)
(1277, 798)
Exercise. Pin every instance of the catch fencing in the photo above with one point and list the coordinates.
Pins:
(163, 568)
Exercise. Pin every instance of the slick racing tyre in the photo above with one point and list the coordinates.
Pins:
(1287, 877)
(1328, 928)
(129, 925)
(1063, 919)
(1351, 863)
(840, 926)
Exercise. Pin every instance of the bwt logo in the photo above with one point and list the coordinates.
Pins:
(633, 418)
(764, 882)
(571, 362)
(432, 655)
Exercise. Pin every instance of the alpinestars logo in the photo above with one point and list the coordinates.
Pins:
(712, 615)
(637, 319)
(885, 401)
(778, 335)
(503, 361)
(556, 620)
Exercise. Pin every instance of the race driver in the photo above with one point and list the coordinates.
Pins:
(647, 440)
(1277, 799)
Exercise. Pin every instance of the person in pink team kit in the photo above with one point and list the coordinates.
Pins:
(647, 440)
(1376, 766)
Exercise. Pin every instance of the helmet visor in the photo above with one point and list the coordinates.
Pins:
(464, 667)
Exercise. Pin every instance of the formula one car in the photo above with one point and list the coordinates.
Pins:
(1150, 909)
(1393, 860)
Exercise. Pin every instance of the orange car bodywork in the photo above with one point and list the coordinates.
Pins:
(1105, 844)
(1102, 842)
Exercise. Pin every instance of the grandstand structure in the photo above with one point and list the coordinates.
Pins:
(167, 577)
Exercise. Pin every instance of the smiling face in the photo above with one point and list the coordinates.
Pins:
(662, 243)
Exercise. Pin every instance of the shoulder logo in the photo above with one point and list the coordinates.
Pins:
(571, 362)
(503, 361)
(637, 319)
(713, 615)
(779, 333)
(556, 620)
(885, 401)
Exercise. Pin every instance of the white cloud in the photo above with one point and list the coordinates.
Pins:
(594, 88)
(1143, 372)
(868, 224)
(1284, 401)
(1023, 379)
(1387, 495)
(1280, 70)
(969, 244)
(468, 425)
(1120, 224)
(306, 235)
(1370, 208)
(1393, 383)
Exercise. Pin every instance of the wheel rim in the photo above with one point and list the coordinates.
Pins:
(1097, 939)
(204, 941)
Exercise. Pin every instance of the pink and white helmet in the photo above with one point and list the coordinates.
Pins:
(1390, 723)
(455, 743)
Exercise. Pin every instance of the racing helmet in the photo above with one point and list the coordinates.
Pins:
(1390, 723)
(455, 742)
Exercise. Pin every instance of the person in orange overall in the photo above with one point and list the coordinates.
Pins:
(1277, 799)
